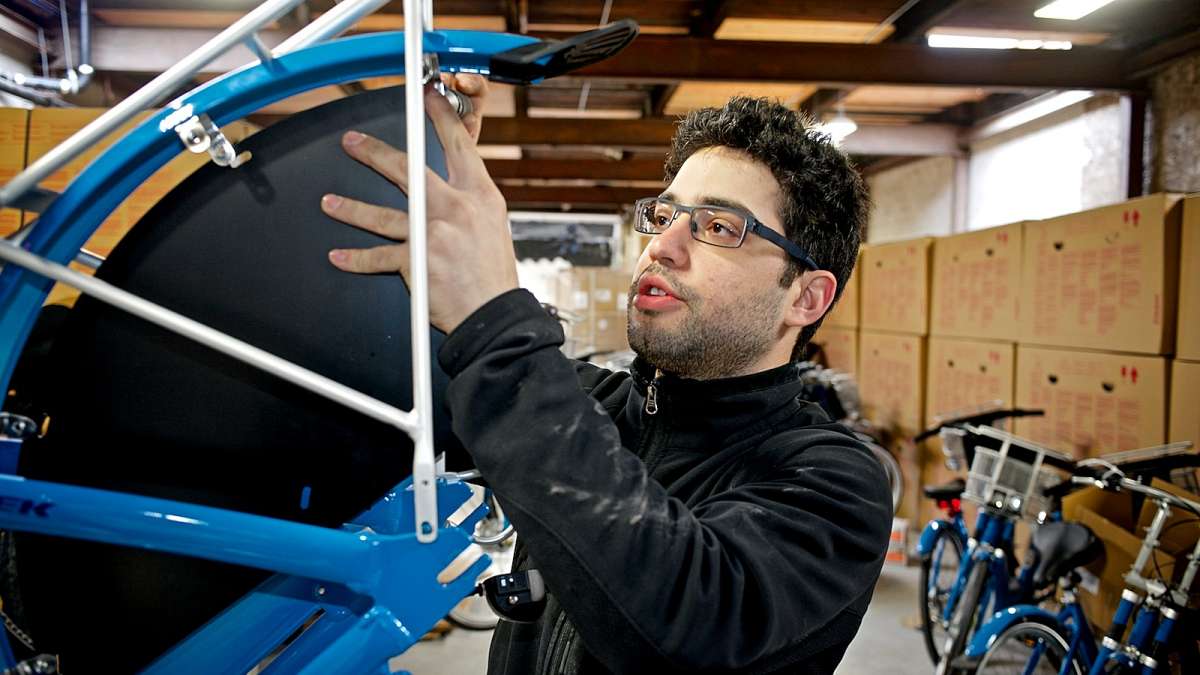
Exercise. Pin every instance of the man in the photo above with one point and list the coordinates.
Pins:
(694, 515)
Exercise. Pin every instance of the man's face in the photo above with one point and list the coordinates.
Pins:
(703, 311)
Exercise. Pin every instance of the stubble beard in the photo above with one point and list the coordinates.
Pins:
(708, 344)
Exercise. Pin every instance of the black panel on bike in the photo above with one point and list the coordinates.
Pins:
(137, 408)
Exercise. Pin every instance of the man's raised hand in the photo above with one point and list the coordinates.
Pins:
(470, 250)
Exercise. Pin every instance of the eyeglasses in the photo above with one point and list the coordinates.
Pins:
(717, 225)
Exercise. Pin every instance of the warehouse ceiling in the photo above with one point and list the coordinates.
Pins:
(867, 59)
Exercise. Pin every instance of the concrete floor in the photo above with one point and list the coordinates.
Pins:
(887, 642)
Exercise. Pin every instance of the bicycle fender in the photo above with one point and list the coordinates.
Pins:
(930, 533)
(1000, 622)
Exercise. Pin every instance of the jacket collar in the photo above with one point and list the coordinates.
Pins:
(722, 407)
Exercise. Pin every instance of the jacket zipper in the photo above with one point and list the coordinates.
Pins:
(652, 439)
(652, 394)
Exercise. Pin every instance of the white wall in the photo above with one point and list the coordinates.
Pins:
(1068, 161)
(912, 200)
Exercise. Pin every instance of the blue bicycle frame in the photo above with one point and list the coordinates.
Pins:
(957, 527)
(1152, 625)
(994, 534)
(374, 582)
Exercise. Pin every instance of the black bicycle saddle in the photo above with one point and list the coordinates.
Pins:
(1061, 547)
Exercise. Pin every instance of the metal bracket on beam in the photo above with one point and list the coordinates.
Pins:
(199, 134)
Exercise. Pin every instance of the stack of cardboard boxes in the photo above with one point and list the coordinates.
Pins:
(838, 335)
(1078, 315)
(1184, 416)
(974, 327)
(1100, 295)
(14, 123)
(894, 322)
(595, 300)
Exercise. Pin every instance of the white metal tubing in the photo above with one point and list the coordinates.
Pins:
(255, 44)
(146, 97)
(425, 494)
(226, 344)
(330, 24)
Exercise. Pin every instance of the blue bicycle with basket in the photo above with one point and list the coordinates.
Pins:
(965, 579)
(1031, 639)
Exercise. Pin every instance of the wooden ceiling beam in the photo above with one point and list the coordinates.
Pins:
(525, 195)
(707, 18)
(666, 59)
(616, 133)
(671, 59)
(912, 26)
(590, 169)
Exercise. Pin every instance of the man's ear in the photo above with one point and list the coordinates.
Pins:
(811, 294)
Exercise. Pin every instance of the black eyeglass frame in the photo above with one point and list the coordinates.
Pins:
(752, 225)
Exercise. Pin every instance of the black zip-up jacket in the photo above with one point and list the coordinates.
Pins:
(735, 529)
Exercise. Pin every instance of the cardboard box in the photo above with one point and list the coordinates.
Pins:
(1104, 279)
(968, 373)
(840, 346)
(609, 332)
(895, 287)
(1110, 517)
(977, 283)
(845, 313)
(1095, 402)
(1176, 541)
(891, 380)
(610, 290)
(573, 291)
(13, 127)
(1184, 418)
(1187, 344)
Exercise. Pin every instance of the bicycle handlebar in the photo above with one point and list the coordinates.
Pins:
(979, 419)
(1114, 482)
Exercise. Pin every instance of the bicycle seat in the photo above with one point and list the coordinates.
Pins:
(946, 492)
(1060, 548)
(139, 409)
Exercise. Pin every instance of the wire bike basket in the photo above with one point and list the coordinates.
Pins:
(1009, 473)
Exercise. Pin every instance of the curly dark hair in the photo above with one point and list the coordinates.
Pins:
(825, 202)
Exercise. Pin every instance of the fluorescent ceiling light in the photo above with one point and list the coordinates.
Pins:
(1070, 9)
(952, 41)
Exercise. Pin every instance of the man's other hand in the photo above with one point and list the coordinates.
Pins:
(470, 249)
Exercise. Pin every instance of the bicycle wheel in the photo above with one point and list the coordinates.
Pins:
(964, 618)
(1032, 648)
(939, 567)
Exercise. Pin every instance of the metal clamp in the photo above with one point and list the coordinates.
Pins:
(199, 134)
(431, 72)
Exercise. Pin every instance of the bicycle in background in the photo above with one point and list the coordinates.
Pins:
(1006, 479)
(1029, 639)
(944, 541)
